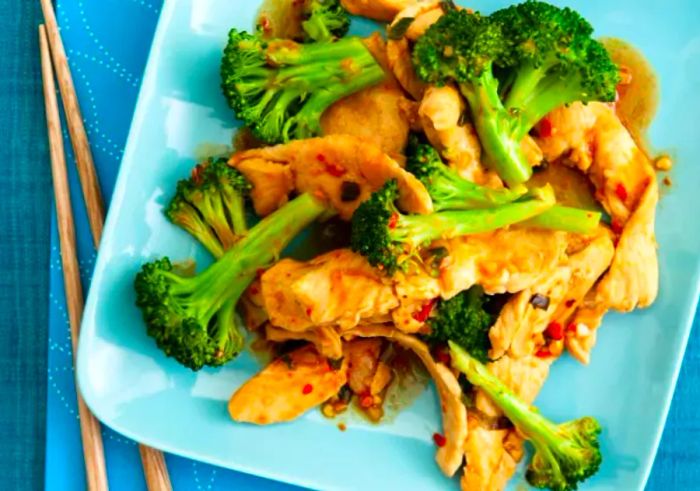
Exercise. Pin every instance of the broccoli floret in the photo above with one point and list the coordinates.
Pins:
(565, 454)
(449, 190)
(192, 318)
(388, 238)
(324, 20)
(467, 48)
(280, 88)
(553, 60)
(210, 205)
(464, 320)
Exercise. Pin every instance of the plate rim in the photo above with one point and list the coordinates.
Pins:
(138, 120)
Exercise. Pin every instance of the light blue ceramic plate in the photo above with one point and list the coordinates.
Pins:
(134, 389)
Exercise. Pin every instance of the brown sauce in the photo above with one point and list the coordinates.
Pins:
(639, 98)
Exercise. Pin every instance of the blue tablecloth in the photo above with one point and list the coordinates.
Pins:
(107, 42)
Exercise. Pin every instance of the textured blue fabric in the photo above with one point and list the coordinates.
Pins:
(107, 42)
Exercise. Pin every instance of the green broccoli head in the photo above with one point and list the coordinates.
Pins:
(553, 60)
(280, 88)
(545, 58)
(192, 317)
(572, 457)
(389, 239)
(373, 224)
(449, 190)
(210, 205)
(539, 33)
(324, 20)
(459, 47)
(185, 322)
(464, 320)
(565, 454)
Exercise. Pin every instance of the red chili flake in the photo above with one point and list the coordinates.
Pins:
(439, 440)
(254, 290)
(571, 327)
(616, 226)
(443, 356)
(543, 353)
(309, 311)
(394, 220)
(545, 128)
(621, 192)
(265, 24)
(570, 303)
(555, 331)
(308, 388)
(335, 170)
(367, 401)
(320, 157)
(424, 312)
(259, 272)
(197, 173)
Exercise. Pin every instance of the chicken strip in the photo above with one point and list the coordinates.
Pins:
(490, 260)
(442, 115)
(593, 139)
(454, 415)
(383, 10)
(518, 330)
(338, 288)
(342, 169)
(424, 14)
(380, 114)
(493, 447)
(287, 388)
(632, 280)
(325, 338)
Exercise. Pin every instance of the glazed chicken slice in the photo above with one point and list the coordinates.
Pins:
(518, 330)
(338, 288)
(287, 388)
(491, 260)
(632, 280)
(342, 169)
(592, 138)
(454, 415)
(325, 338)
(441, 114)
(383, 10)
(380, 114)
(493, 447)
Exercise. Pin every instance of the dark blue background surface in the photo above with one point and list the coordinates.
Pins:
(25, 240)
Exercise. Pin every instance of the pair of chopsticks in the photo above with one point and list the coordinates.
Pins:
(51, 46)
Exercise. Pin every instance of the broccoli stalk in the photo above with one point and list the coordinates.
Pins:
(280, 88)
(324, 20)
(450, 191)
(466, 48)
(387, 237)
(210, 205)
(565, 454)
(192, 318)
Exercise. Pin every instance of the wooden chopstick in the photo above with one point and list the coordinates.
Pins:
(76, 128)
(153, 461)
(93, 451)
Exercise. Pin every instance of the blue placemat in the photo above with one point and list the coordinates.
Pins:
(107, 43)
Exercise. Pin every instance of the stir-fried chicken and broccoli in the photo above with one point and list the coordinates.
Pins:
(493, 209)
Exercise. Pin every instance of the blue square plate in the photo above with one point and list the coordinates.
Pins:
(134, 389)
